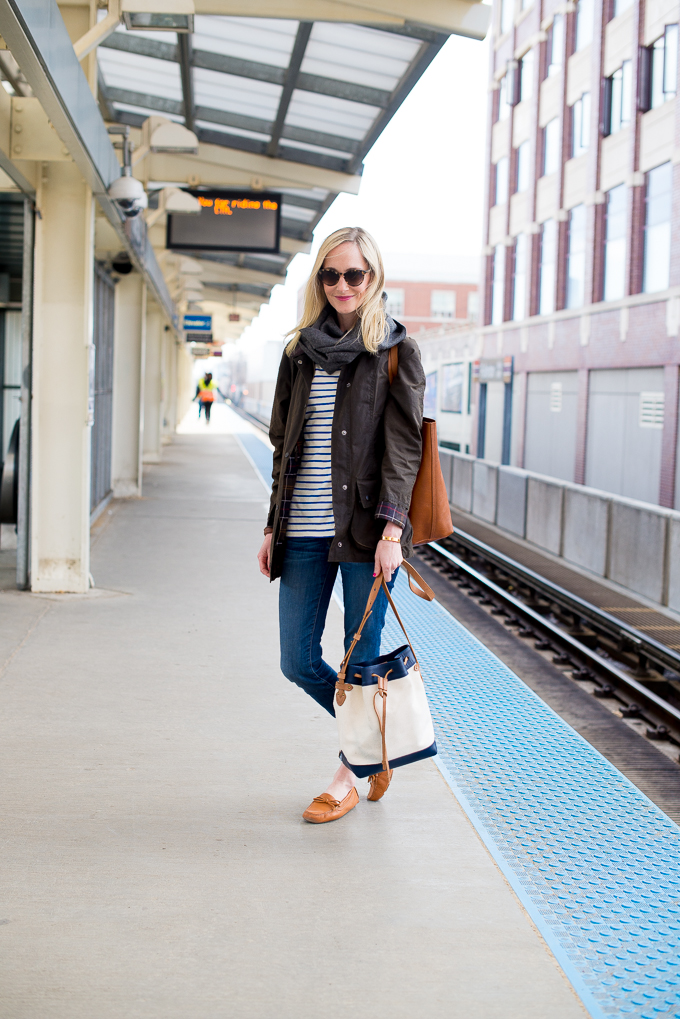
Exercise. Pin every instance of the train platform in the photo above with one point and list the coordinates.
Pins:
(157, 763)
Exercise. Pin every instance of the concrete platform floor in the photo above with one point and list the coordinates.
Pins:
(155, 766)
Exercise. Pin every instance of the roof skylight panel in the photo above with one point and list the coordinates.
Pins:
(331, 115)
(295, 212)
(321, 149)
(369, 41)
(264, 40)
(140, 74)
(361, 56)
(237, 95)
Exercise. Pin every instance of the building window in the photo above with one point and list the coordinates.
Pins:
(520, 273)
(620, 6)
(584, 24)
(546, 296)
(580, 125)
(453, 379)
(551, 146)
(498, 286)
(502, 180)
(473, 305)
(576, 258)
(618, 99)
(658, 202)
(556, 45)
(615, 245)
(526, 76)
(504, 98)
(523, 167)
(507, 15)
(663, 72)
(443, 304)
(395, 302)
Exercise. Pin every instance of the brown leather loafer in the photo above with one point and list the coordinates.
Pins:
(379, 784)
(324, 808)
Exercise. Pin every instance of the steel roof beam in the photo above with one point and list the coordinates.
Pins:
(184, 47)
(290, 84)
(454, 17)
(220, 166)
(251, 69)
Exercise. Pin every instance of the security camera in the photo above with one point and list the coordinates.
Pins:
(129, 195)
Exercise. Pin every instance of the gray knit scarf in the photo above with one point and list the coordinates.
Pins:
(330, 348)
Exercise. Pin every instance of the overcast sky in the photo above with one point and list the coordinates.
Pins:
(422, 186)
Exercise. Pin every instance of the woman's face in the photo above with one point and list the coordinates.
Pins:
(344, 299)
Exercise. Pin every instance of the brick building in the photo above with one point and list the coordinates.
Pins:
(431, 292)
(582, 263)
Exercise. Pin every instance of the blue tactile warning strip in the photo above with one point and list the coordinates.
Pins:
(259, 454)
(595, 863)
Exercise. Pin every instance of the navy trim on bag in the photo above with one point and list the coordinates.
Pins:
(364, 770)
(365, 673)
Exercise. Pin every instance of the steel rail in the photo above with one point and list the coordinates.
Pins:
(578, 650)
(641, 643)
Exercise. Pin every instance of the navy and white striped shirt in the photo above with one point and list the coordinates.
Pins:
(311, 510)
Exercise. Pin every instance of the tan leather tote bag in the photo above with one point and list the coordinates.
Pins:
(429, 512)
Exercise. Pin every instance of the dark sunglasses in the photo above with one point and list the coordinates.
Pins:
(354, 277)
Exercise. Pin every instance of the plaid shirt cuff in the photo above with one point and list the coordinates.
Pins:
(388, 511)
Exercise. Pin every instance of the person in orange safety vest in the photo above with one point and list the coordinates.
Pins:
(205, 394)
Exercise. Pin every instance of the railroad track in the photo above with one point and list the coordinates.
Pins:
(636, 674)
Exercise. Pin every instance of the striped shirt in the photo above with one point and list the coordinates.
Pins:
(311, 509)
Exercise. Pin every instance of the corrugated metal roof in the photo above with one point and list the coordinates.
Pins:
(313, 93)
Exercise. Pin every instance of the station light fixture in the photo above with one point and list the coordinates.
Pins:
(149, 15)
(174, 200)
(162, 135)
(159, 15)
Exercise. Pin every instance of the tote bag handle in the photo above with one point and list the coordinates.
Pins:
(422, 589)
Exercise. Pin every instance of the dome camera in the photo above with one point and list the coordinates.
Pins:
(129, 195)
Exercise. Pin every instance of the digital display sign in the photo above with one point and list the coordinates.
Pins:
(228, 221)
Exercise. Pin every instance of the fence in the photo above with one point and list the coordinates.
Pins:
(634, 544)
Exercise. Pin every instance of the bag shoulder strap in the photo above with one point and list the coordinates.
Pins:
(422, 589)
(392, 364)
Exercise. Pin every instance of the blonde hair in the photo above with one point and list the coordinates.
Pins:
(371, 311)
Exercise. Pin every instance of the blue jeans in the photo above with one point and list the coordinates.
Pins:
(307, 583)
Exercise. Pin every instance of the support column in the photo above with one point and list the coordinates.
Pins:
(581, 427)
(669, 442)
(62, 345)
(153, 404)
(128, 387)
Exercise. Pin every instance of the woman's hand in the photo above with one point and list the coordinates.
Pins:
(388, 556)
(263, 556)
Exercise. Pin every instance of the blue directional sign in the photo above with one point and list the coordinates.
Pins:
(198, 323)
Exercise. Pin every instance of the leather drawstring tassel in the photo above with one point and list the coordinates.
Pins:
(382, 692)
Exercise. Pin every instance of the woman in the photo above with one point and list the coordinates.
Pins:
(347, 447)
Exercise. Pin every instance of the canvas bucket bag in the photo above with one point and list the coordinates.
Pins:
(381, 707)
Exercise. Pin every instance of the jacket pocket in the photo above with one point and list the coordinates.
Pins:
(368, 491)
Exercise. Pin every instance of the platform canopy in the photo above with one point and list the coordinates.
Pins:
(292, 103)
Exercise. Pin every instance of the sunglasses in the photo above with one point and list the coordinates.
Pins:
(354, 277)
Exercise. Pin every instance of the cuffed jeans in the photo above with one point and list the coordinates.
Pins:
(307, 581)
